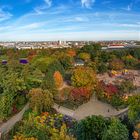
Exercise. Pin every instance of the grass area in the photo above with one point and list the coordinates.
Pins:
(69, 104)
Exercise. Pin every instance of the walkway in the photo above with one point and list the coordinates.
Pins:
(93, 107)
(5, 127)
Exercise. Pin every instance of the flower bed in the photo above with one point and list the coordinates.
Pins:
(44, 126)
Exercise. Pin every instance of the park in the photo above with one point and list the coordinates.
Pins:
(57, 92)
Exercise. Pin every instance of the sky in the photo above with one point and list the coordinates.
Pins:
(44, 20)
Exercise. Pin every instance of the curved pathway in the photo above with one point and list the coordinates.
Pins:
(5, 127)
(93, 107)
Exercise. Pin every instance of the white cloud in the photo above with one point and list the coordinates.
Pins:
(48, 2)
(31, 26)
(129, 7)
(4, 15)
(40, 9)
(87, 3)
(79, 19)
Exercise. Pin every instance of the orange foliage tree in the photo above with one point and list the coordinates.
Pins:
(58, 79)
(135, 134)
(71, 53)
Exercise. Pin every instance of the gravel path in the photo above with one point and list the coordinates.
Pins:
(93, 107)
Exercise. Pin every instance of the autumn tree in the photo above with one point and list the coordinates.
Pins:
(116, 64)
(84, 56)
(40, 100)
(58, 79)
(71, 53)
(84, 77)
(129, 61)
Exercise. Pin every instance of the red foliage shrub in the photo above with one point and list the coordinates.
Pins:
(110, 89)
(78, 93)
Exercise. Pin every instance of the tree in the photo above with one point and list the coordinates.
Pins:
(84, 77)
(84, 56)
(102, 68)
(134, 108)
(92, 65)
(126, 86)
(71, 53)
(130, 61)
(6, 102)
(43, 63)
(91, 128)
(48, 80)
(40, 100)
(116, 131)
(116, 64)
(12, 83)
(67, 62)
(58, 79)
(93, 49)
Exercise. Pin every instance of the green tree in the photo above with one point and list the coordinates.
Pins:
(126, 86)
(93, 49)
(134, 108)
(102, 68)
(67, 62)
(43, 63)
(116, 131)
(130, 61)
(6, 102)
(91, 128)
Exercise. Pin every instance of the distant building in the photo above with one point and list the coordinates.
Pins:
(116, 46)
(79, 62)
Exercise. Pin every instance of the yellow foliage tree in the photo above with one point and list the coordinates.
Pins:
(84, 56)
(84, 77)
(40, 100)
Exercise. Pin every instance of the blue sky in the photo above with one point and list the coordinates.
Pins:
(69, 20)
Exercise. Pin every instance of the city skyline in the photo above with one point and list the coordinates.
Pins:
(38, 20)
